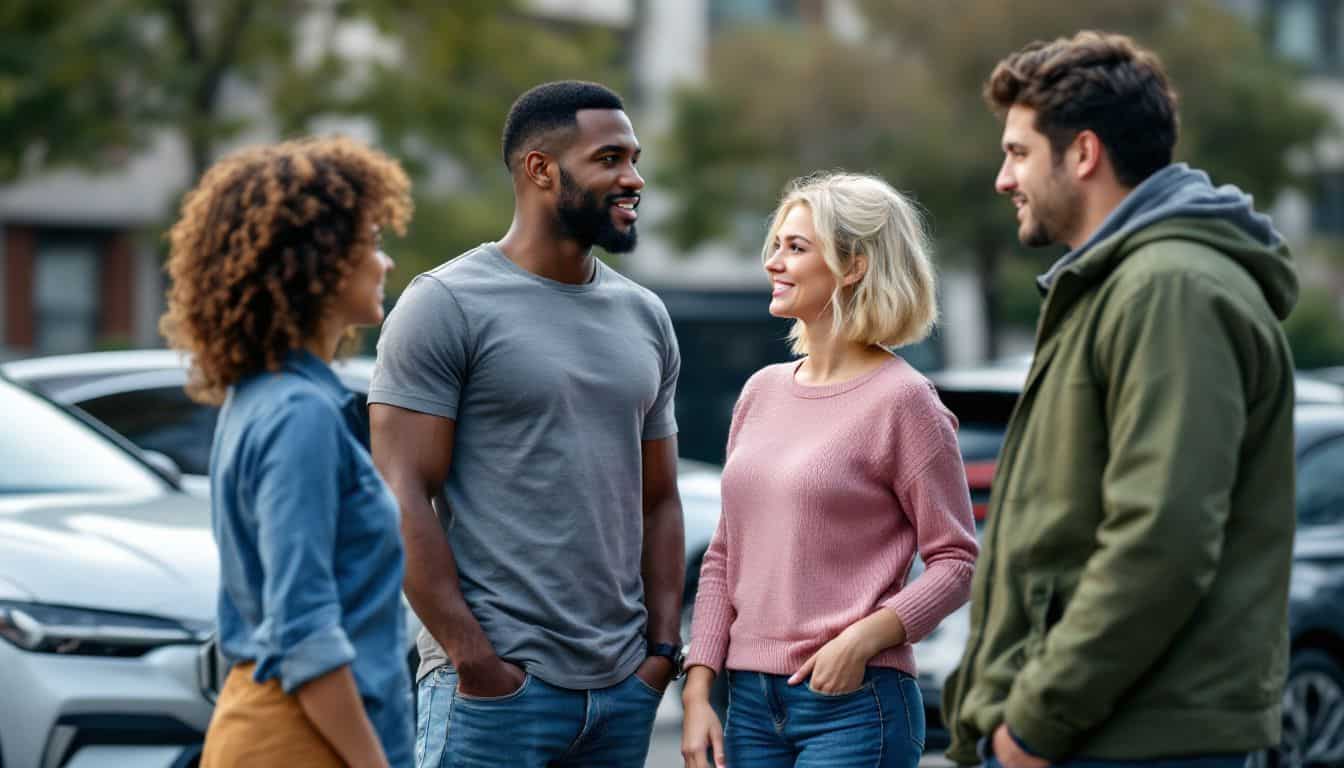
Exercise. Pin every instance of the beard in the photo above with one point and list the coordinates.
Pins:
(587, 219)
(1054, 213)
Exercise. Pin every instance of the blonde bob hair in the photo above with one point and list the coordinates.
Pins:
(894, 302)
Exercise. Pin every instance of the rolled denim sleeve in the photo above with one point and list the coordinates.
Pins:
(297, 492)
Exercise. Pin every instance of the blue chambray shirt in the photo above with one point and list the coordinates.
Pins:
(310, 553)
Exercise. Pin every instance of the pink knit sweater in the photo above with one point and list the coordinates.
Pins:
(827, 493)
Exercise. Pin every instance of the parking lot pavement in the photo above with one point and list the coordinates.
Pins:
(665, 751)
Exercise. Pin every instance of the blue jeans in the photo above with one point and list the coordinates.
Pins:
(538, 726)
(772, 724)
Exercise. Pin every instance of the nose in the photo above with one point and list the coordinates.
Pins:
(1005, 182)
(631, 179)
(775, 263)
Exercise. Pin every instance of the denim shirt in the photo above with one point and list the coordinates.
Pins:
(310, 554)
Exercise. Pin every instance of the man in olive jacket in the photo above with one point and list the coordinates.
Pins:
(1131, 599)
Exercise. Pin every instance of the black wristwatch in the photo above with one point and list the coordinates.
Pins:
(673, 653)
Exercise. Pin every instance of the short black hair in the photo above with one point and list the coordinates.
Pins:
(552, 106)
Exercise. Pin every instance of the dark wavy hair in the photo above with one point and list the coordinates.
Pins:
(1105, 83)
(264, 244)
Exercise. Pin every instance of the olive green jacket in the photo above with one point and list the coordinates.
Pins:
(1132, 594)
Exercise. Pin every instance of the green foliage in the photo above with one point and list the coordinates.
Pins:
(89, 83)
(1316, 329)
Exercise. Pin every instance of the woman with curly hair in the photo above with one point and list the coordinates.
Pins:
(274, 260)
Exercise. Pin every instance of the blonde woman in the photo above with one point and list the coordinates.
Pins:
(840, 467)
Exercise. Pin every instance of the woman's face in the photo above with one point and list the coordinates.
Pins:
(801, 282)
(360, 301)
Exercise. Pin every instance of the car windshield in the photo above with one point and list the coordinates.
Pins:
(45, 450)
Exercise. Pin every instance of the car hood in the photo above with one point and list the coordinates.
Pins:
(150, 554)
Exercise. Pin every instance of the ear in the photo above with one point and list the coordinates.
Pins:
(538, 168)
(1088, 149)
(858, 267)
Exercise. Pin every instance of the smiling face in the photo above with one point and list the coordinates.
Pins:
(599, 187)
(1049, 204)
(802, 285)
(360, 301)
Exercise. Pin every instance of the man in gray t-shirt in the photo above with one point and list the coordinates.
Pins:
(522, 411)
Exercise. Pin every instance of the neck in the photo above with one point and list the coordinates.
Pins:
(325, 343)
(540, 249)
(831, 357)
(1097, 207)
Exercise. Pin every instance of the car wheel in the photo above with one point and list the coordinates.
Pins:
(1313, 715)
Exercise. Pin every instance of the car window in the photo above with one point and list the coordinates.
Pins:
(1320, 494)
(46, 450)
(161, 419)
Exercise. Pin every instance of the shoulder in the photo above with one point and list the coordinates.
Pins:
(910, 401)
(776, 377)
(1173, 263)
(642, 297)
(286, 408)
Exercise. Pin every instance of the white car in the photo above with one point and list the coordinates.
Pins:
(108, 575)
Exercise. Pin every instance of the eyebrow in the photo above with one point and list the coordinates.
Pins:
(798, 237)
(618, 148)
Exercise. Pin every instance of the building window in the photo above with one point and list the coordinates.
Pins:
(66, 295)
(1309, 32)
(729, 13)
(1327, 210)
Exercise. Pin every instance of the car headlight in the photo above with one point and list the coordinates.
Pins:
(86, 632)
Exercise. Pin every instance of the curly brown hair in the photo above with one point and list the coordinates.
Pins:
(264, 244)
(1096, 81)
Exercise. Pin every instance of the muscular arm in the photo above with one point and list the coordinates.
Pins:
(414, 451)
(663, 565)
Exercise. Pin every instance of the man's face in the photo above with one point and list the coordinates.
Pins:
(1049, 205)
(599, 186)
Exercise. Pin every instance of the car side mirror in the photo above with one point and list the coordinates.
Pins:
(164, 464)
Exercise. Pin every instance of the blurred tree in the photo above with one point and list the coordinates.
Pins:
(1314, 330)
(89, 84)
(905, 102)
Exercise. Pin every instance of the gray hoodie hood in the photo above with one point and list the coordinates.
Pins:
(1175, 191)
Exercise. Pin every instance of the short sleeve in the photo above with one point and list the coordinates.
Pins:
(423, 351)
(661, 420)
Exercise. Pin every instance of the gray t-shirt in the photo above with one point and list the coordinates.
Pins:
(553, 387)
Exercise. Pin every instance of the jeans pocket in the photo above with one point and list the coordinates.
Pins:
(527, 681)
(914, 708)
(865, 685)
(645, 687)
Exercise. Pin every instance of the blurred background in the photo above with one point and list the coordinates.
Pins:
(109, 111)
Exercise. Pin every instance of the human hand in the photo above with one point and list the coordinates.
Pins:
(701, 730)
(837, 667)
(491, 679)
(1010, 755)
(656, 672)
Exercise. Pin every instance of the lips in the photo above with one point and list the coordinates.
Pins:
(623, 209)
(780, 287)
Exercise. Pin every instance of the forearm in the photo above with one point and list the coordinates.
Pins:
(876, 632)
(432, 586)
(332, 703)
(699, 682)
(664, 569)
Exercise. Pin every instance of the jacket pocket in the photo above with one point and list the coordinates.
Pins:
(1040, 597)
